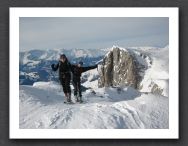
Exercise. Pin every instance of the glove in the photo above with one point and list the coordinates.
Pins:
(52, 66)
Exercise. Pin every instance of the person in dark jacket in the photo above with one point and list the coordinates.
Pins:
(64, 75)
(77, 71)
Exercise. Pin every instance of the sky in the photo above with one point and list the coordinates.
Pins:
(92, 32)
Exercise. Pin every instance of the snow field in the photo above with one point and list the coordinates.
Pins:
(41, 106)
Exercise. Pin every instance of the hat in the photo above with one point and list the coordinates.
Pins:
(63, 56)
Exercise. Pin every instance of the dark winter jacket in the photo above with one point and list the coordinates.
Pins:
(77, 71)
(64, 68)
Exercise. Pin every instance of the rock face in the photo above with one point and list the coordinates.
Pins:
(119, 67)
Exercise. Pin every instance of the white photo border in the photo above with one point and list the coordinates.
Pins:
(171, 133)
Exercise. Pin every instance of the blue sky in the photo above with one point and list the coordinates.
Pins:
(88, 32)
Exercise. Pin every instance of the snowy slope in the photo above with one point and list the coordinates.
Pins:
(41, 106)
(158, 72)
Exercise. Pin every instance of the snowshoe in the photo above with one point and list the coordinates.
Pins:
(76, 98)
(68, 102)
(80, 99)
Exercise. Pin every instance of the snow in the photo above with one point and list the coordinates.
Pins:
(32, 75)
(25, 58)
(43, 56)
(41, 106)
(158, 72)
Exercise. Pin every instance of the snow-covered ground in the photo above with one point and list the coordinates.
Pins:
(42, 105)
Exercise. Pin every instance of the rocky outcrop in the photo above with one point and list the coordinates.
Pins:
(119, 68)
(156, 89)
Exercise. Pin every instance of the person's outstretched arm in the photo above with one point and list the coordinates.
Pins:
(84, 69)
(55, 67)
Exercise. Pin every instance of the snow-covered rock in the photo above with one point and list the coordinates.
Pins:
(28, 78)
(122, 67)
(156, 78)
(145, 69)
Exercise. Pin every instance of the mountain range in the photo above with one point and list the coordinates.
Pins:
(35, 65)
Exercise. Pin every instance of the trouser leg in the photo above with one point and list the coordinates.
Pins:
(75, 87)
(65, 82)
(79, 89)
(67, 86)
(64, 88)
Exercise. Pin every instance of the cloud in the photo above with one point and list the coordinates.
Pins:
(82, 32)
